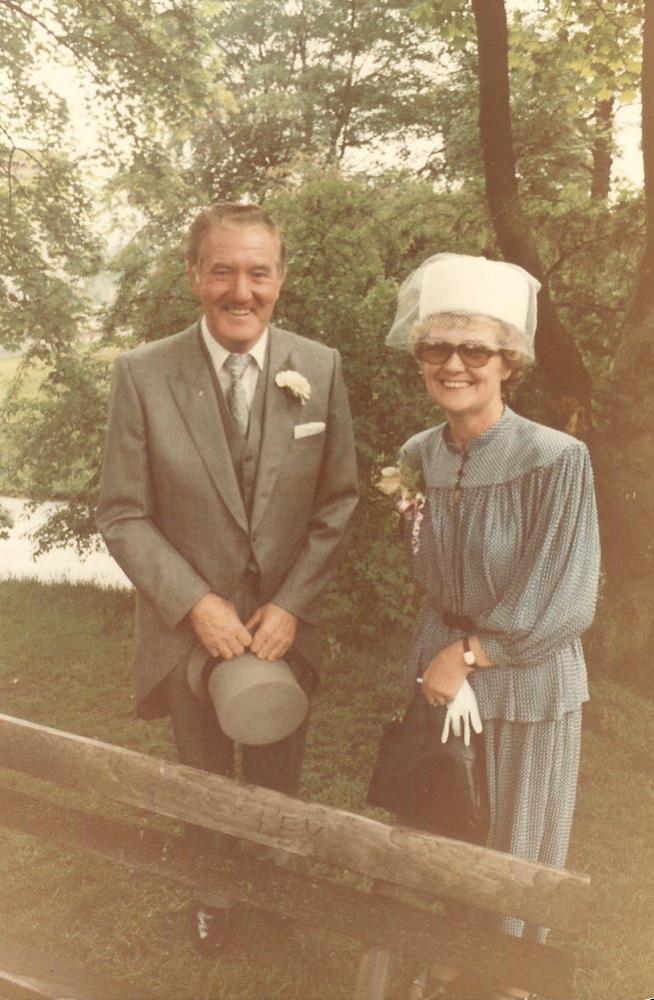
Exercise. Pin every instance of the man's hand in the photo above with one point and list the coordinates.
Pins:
(218, 627)
(274, 631)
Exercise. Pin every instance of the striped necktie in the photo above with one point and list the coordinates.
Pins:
(236, 365)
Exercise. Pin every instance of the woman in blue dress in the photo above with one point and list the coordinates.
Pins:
(507, 555)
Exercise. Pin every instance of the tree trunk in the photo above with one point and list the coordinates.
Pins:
(624, 454)
(602, 150)
(557, 353)
(643, 299)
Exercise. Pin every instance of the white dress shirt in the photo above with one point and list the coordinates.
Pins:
(219, 355)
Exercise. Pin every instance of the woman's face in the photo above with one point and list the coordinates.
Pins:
(463, 390)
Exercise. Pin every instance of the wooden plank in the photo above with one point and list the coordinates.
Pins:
(374, 974)
(454, 870)
(26, 972)
(376, 964)
(10, 990)
(378, 920)
(14, 991)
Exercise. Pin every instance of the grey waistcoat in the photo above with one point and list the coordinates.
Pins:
(244, 450)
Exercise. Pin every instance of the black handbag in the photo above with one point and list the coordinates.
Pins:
(439, 787)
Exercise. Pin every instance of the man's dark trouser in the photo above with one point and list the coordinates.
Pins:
(202, 743)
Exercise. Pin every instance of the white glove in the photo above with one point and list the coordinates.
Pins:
(462, 708)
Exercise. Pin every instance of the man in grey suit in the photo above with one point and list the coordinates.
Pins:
(228, 480)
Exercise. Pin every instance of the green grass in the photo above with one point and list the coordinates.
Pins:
(65, 662)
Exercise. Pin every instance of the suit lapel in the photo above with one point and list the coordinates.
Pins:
(278, 419)
(193, 391)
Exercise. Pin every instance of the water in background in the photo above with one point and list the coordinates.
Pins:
(17, 560)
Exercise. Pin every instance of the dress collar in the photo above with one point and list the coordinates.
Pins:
(486, 437)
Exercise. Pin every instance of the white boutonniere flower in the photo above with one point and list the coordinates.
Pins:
(296, 385)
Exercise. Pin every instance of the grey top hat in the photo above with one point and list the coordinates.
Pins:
(256, 701)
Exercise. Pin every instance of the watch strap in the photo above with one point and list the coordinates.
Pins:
(468, 655)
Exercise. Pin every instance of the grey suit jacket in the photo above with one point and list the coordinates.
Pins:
(171, 511)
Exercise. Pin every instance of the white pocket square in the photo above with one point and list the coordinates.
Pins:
(306, 430)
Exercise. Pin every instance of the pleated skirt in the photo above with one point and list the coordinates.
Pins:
(532, 770)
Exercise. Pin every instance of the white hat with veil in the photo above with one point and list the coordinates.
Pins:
(461, 284)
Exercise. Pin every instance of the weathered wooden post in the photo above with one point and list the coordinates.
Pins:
(397, 858)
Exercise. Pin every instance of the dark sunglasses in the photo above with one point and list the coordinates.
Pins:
(437, 352)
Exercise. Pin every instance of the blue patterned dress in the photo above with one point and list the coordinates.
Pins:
(514, 548)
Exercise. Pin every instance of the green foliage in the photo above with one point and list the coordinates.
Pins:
(6, 523)
(154, 297)
(148, 89)
(57, 439)
(452, 20)
(602, 45)
(564, 59)
(312, 80)
(136, 54)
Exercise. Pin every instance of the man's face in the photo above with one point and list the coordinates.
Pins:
(238, 280)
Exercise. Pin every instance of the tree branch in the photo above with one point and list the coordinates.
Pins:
(611, 20)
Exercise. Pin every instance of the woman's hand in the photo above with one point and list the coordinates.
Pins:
(444, 675)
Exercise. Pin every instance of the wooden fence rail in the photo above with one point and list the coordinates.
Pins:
(399, 858)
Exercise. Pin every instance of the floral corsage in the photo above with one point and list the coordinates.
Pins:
(405, 484)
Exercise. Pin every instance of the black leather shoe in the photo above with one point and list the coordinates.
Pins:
(211, 929)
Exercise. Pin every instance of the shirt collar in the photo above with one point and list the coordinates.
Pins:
(219, 355)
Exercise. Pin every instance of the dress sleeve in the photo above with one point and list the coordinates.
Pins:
(551, 599)
(416, 526)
